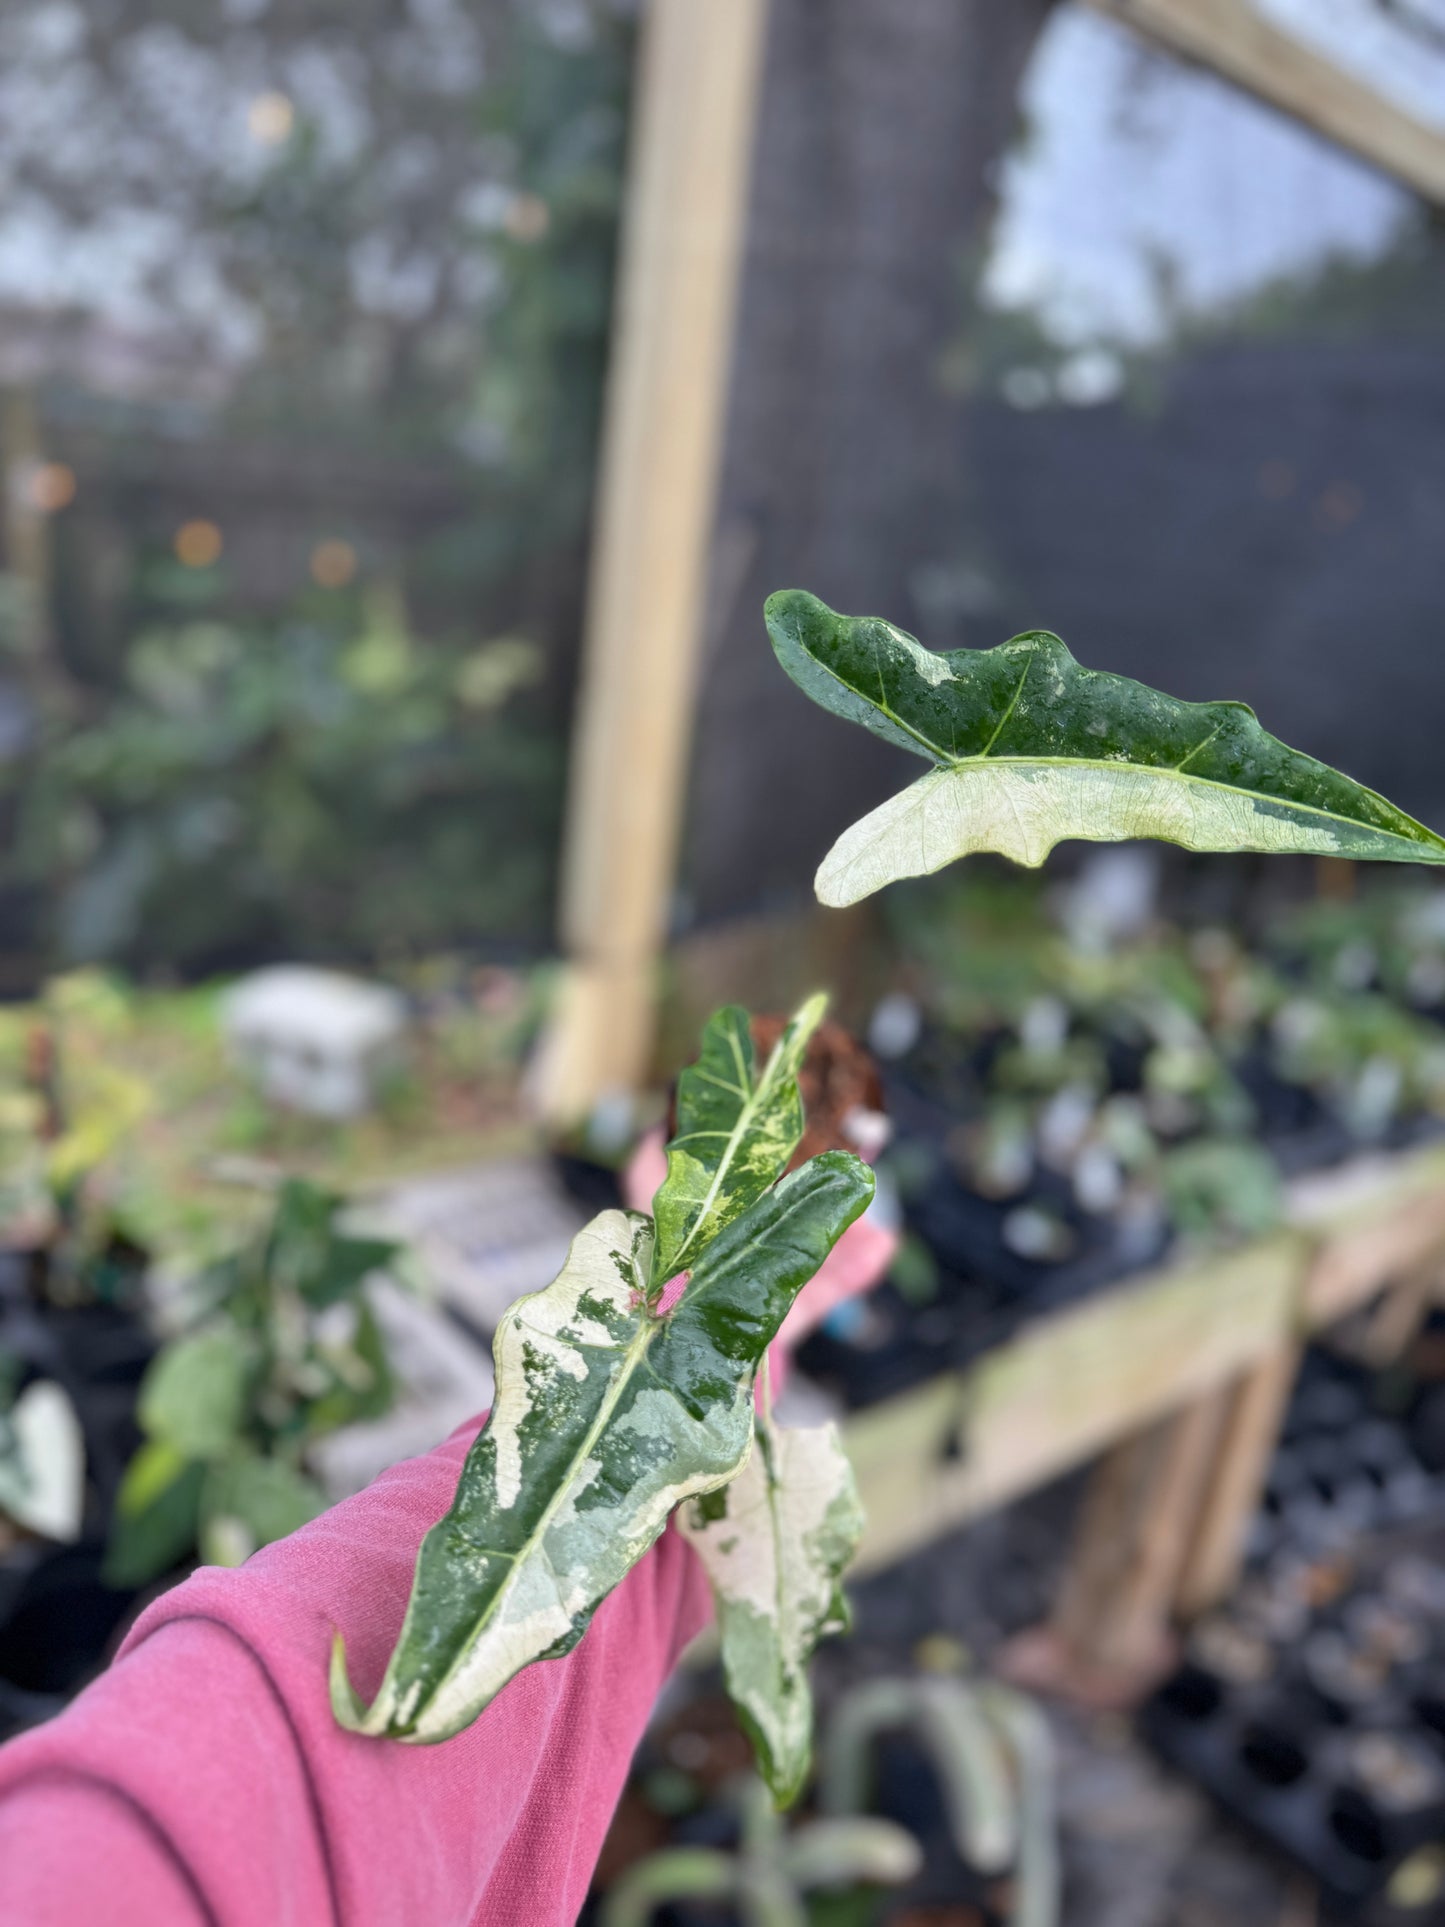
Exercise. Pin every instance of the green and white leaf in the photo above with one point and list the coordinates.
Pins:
(606, 1417)
(1029, 749)
(737, 1127)
(776, 1543)
(42, 1473)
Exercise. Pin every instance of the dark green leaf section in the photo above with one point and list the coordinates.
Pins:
(230, 1408)
(606, 1417)
(736, 1129)
(1028, 747)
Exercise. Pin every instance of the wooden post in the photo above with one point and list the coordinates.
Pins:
(1398, 1319)
(1236, 1481)
(686, 205)
(26, 527)
(1238, 41)
(1115, 1609)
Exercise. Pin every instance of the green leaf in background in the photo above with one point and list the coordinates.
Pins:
(1222, 1188)
(156, 1516)
(305, 1252)
(193, 1397)
(606, 1417)
(248, 1501)
(364, 1384)
(736, 1129)
(1030, 749)
(776, 1543)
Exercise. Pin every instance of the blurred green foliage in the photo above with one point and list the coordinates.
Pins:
(1162, 1075)
(282, 1348)
(215, 770)
(126, 1133)
(306, 785)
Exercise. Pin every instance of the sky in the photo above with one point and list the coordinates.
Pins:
(1139, 174)
(1135, 162)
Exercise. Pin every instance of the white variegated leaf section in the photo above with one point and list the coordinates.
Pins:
(1021, 810)
(775, 1544)
(580, 1342)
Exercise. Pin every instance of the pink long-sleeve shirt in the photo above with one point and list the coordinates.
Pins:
(202, 1779)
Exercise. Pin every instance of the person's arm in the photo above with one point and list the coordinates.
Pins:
(202, 1778)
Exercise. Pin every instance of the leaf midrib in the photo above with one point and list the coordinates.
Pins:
(773, 1487)
(635, 1354)
(751, 1104)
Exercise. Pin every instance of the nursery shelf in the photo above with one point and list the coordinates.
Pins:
(1076, 1383)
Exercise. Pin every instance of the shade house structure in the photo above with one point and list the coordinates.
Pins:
(788, 283)
(787, 286)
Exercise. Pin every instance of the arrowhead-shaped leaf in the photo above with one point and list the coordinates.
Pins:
(775, 1544)
(193, 1396)
(1029, 748)
(737, 1126)
(606, 1417)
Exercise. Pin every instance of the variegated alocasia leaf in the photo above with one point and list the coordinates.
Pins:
(775, 1544)
(606, 1416)
(737, 1127)
(1029, 748)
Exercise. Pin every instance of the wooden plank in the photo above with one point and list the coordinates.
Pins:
(692, 143)
(26, 527)
(1368, 1243)
(1247, 1441)
(1063, 1390)
(1070, 1386)
(1112, 1623)
(1399, 1318)
(1237, 41)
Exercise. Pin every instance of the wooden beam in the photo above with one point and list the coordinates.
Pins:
(693, 129)
(1237, 41)
(1231, 1499)
(1063, 1390)
(1370, 1247)
(24, 524)
(1072, 1385)
(1111, 1632)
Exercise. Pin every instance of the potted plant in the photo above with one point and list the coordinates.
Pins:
(625, 1389)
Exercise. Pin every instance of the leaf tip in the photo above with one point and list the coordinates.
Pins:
(346, 1706)
(811, 1013)
(785, 605)
(791, 616)
(783, 1763)
(832, 890)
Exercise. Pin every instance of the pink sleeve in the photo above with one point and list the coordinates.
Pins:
(202, 1778)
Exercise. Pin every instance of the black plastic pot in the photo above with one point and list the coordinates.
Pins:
(98, 1355)
(899, 1345)
(58, 1626)
(1260, 1759)
(596, 1187)
(906, 1791)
